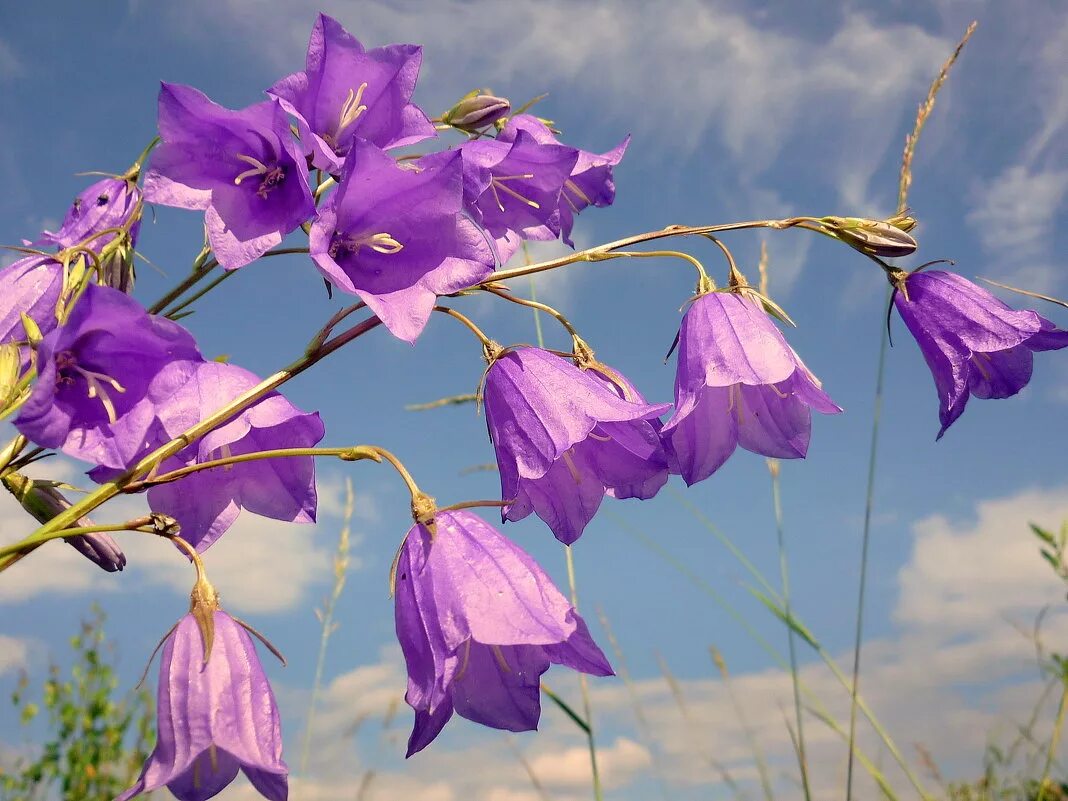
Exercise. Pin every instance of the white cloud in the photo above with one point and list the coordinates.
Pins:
(617, 764)
(13, 653)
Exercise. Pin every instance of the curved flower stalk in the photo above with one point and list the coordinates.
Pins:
(565, 437)
(215, 715)
(479, 623)
(738, 383)
(974, 343)
(96, 368)
(590, 183)
(348, 93)
(397, 238)
(242, 168)
(207, 502)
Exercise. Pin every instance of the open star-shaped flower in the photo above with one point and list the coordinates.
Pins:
(242, 168)
(347, 93)
(397, 237)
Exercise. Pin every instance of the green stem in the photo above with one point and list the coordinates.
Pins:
(142, 524)
(869, 504)
(1054, 741)
(200, 293)
(341, 563)
(350, 454)
(587, 707)
(776, 502)
(191, 280)
(603, 252)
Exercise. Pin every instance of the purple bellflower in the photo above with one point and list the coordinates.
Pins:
(94, 369)
(213, 717)
(738, 383)
(513, 188)
(111, 203)
(590, 182)
(973, 343)
(348, 93)
(479, 622)
(31, 286)
(397, 238)
(565, 437)
(206, 503)
(242, 168)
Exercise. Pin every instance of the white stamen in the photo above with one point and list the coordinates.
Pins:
(258, 168)
(497, 182)
(352, 108)
(500, 659)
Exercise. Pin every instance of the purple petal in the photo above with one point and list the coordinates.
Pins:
(704, 435)
(500, 686)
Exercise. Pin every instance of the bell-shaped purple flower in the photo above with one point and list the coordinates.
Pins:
(397, 238)
(590, 183)
(479, 622)
(96, 368)
(110, 203)
(513, 188)
(31, 286)
(242, 168)
(738, 383)
(348, 93)
(565, 437)
(213, 719)
(973, 343)
(206, 503)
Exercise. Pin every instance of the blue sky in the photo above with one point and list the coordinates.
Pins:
(737, 111)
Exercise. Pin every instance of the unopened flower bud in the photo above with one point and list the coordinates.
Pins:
(43, 501)
(883, 238)
(476, 110)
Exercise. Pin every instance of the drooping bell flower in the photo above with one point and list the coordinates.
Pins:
(564, 438)
(110, 203)
(738, 383)
(590, 183)
(397, 237)
(242, 168)
(513, 188)
(347, 93)
(215, 714)
(96, 368)
(31, 286)
(44, 501)
(479, 622)
(205, 503)
(974, 343)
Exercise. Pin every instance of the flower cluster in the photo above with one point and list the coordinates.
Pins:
(89, 371)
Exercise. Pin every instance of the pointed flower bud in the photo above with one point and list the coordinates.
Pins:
(43, 501)
(479, 622)
(476, 110)
(216, 714)
(974, 343)
(883, 238)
